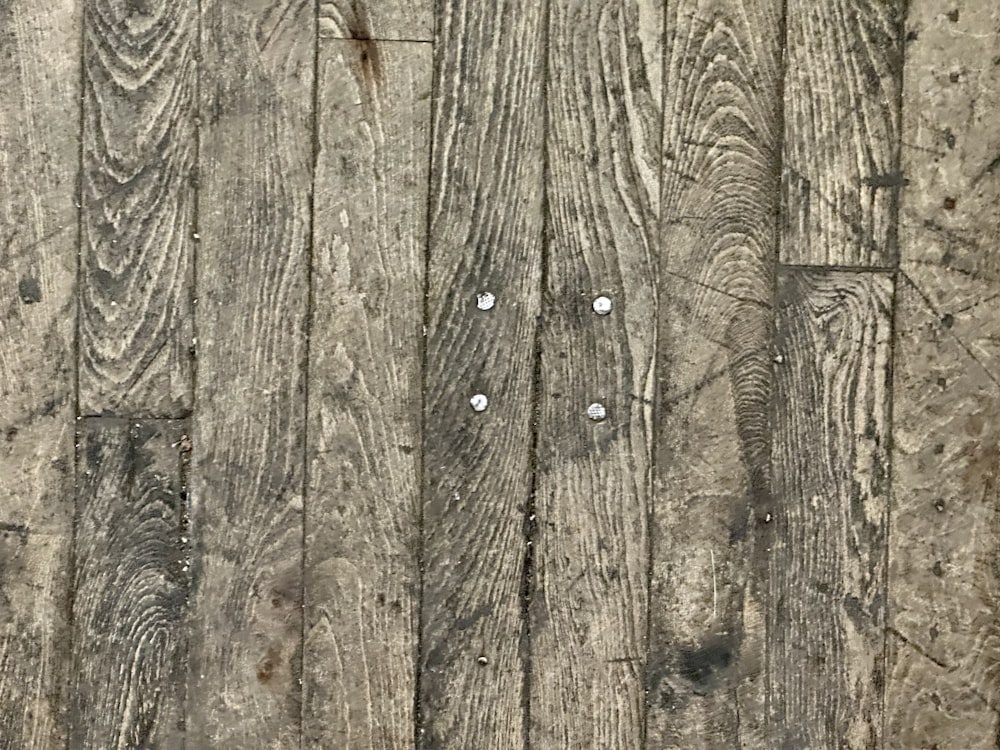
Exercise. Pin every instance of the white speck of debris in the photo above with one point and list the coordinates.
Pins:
(778, 358)
(602, 305)
(597, 412)
(768, 518)
(483, 660)
(485, 300)
(196, 236)
(345, 219)
(479, 402)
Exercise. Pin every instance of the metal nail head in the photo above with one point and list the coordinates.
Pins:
(597, 412)
(479, 402)
(602, 305)
(485, 300)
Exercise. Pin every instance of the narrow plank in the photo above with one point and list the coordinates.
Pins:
(131, 585)
(39, 159)
(588, 607)
(485, 236)
(362, 518)
(721, 151)
(254, 212)
(826, 612)
(138, 207)
(841, 175)
(381, 20)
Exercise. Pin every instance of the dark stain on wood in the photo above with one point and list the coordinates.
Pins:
(369, 57)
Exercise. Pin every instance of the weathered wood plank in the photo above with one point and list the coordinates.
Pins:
(403, 20)
(247, 479)
(588, 609)
(826, 612)
(722, 132)
(39, 160)
(138, 207)
(131, 585)
(485, 236)
(362, 517)
(841, 175)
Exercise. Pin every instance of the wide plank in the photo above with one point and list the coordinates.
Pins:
(362, 516)
(39, 161)
(379, 20)
(587, 615)
(255, 190)
(485, 238)
(130, 584)
(137, 217)
(721, 157)
(840, 173)
(830, 455)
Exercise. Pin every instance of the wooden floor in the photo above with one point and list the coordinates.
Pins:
(500, 374)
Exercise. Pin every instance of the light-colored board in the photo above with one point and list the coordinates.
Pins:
(840, 171)
(588, 606)
(830, 456)
(137, 219)
(721, 148)
(485, 235)
(379, 20)
(363, 508)
(247, 476)
(39, 161)
(130, 585)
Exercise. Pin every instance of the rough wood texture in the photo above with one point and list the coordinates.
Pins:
(362, 514)
(130, 588)
(411, 20)
(485, 236)
(826, 611)
(39, 158)
(138, 207)
(841, 175)
(587, 617)
(254, 204)
(721, 150)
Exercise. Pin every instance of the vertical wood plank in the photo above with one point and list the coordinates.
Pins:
(721, 151)
(379, 20)
(826, 613)
(362, 579)
(130, 590)
(39, 160)
(254, 220)
(485, 236)
(138, 207)
(588, 609)
(841, 175)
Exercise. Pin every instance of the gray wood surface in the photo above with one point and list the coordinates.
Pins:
(39, 157)
(131, 584)
(138, 207)
(401, 20)
(362, 585)
(256, 149)
(589, 600)
(485, 208)
(840, 170)
(826, 610)
(721, 149)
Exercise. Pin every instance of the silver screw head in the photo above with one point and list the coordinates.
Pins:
(597, 412)
(602, 305)
(479, 402)
(485, 300)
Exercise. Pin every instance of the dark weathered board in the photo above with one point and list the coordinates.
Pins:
(410, 20)
(138, 207)
(256, 147)
(826, 610)
(485, 236)
(589, 598)
(130, 584)
(843, 69)
(721, 150)
(363, 510)
(943, 678)
(39, 159)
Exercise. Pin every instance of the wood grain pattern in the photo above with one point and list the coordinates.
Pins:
(409, 20)
(254, 212)
(826, 612)
(841, 158)
(485, 235)
(39, 159)
(131, 585)
(138, 207)
(587, 617)
(721, 150)
(363, 510)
